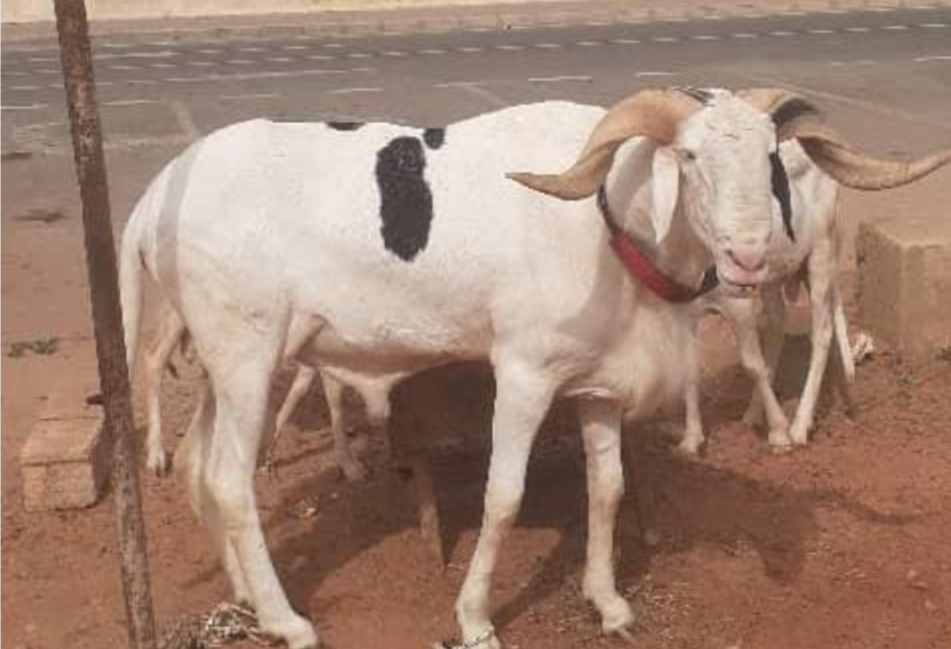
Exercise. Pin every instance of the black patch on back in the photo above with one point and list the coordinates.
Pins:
(792, 109)
(781, 192)
(406, 203)
(344, 125)
(434, 137)
(701, 95)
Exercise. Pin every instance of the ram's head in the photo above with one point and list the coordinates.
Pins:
(715, 164)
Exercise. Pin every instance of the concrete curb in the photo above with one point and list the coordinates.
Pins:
(468, 17)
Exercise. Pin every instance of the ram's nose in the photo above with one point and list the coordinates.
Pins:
(749, 258)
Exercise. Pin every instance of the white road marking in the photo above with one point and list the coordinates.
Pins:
(124, 67)
(210, 51)
(390, 53)
(744, 35)
(162, 65)
(202, 64)
(294, 47)
(933, 57)
(459, 84)
(588, 43)
(164, 54)
(509, 48)
(131, 102)
(839, 64)
(431, 52)
(252, 49)
(240, 62)
(24, 107)
(469, 50)
(142, 82)
(250, 95)
(548, 46)
(288, 74)
(559, 79)
(666, 39)
(25, 88)
(781, 33)
(46, 71)
(359, 55)
(857, 30)
(42, 59)
(655, 73)
(353, 91)
(185, 120)
(486, 95)
(320, 57)
(278, 59)
(933, 25)
(15, 73)
(872, 107)
(895, 28)
(820, 31)
(625, 41)
(333, 45)
(705, 37)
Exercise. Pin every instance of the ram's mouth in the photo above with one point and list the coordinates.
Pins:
(736, 286)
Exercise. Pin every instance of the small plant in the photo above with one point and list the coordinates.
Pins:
(907, 378)
(39, 347)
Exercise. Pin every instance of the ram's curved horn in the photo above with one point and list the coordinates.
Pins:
(797, 118)
(655, 114)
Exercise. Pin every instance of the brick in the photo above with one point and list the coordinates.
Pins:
(65, 460)
(905, 281)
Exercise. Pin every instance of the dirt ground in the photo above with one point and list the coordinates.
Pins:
(843, 544)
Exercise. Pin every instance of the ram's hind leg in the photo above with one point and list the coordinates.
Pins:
(191, 459)
(344, 456)
(171, 332)
(303, 379)
(241, 373)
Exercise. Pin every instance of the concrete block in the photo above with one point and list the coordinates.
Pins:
(905, 281)
(65, 460)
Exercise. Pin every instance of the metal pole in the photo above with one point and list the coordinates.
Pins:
(76, 55)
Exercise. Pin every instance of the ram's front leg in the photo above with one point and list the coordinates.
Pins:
(692, 438)
(742, 314)
(601, 429)
(522, 400)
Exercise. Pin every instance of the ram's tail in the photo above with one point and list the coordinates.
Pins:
(130, 288)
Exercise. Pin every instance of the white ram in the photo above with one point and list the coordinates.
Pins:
(377, 251)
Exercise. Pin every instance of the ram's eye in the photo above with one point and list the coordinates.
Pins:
(687, 155)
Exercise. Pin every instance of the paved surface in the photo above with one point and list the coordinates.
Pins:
(893, 65)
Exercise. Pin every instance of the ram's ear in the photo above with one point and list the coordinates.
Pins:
(665, 190)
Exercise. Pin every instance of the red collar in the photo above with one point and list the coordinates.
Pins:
(641, 267)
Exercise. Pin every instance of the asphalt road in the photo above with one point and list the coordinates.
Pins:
(890, 66)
